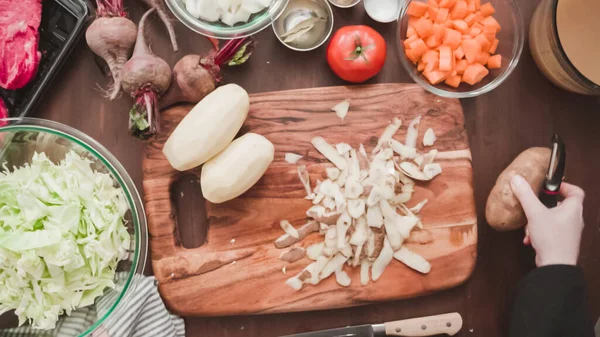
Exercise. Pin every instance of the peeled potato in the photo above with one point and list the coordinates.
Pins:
(208, 128)
(236, 169)
(503, 210)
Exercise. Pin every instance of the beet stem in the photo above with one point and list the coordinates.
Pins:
(149, 111)
(144, 118)
(229, 50)
(110, 8)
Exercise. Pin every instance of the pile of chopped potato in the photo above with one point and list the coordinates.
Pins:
(356, 208)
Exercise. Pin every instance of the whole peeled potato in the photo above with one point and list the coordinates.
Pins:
(503, 210)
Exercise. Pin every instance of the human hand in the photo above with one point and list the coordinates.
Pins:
(554, 233)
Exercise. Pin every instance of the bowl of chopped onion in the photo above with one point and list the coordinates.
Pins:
(227, 19)
(73, 238)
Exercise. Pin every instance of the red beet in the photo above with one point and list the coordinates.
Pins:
(145, 77)
(112, 36)
(196, 76)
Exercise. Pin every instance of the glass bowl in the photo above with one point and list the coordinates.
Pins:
(511, 39)
(19, 140)
(219, 30)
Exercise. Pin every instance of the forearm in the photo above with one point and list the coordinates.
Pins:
(552, 302)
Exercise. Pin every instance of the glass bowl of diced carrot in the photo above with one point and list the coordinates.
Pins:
(460, 48)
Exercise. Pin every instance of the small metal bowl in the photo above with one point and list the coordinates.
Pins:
(351, 4)
(301, 10)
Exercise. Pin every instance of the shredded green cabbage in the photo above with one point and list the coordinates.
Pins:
(62, 233)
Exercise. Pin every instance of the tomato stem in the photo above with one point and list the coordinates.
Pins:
(359, 50)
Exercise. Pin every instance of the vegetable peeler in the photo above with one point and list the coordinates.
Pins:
(556, 169)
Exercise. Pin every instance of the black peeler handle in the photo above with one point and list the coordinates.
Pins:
(549, 198)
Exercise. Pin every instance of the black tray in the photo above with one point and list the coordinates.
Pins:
(63, 22)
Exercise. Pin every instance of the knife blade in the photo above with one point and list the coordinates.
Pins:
(448, 324)
(376, 330)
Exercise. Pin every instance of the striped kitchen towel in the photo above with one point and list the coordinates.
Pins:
(142, 314)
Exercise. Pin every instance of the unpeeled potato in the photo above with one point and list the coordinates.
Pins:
(503, 210)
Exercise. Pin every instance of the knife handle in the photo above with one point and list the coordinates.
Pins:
(449, 324)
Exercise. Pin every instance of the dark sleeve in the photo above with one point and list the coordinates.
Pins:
(552, 302)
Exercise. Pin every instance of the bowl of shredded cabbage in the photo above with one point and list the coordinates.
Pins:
(73, 238)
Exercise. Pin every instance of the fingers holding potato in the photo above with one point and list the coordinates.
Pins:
(503, 211)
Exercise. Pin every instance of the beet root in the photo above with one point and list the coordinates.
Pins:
(191, 81)
(145, 77)
(112, 37)
(164, 17)
(195, 76)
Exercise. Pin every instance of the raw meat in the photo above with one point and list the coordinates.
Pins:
(3, 113)
(19, 57)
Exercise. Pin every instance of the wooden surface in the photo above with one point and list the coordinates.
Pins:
(221, 276)
(524, 111)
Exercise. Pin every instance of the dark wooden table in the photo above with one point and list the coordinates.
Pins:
(524, 111)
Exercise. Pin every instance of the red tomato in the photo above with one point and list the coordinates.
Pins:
(356, 53)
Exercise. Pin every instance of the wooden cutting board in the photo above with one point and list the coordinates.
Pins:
(226, 277)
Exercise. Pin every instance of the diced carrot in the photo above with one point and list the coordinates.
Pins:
(471, 6)
(424, 27)
(470, 19)
(431, 66)
(474, 73)
(416, 8)
(432, 41)
(452, 38)
(430, 56)
(459, 11)
(447, 3)
(487, 9)
(477, 4)
(483, 58)
(461, 66)
(408, 41)
(453, 81)
(433, 12)
(489, 33)
(410, 31)
(474, 31)
(420, 66)
(442, 15)
(418, 47)
(410, 54)
(491, 22)
(459, 53)
(433, 3)
(445, 58)
(448, 23)
(426, 15)
(495, 62)
(412, 20)
(484, 42)
(472, 49)
(460, 25)
(453, 73)
(435, 76)
(476, 25)
(439, 31)
(494, 46)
